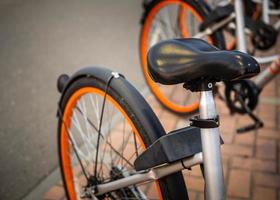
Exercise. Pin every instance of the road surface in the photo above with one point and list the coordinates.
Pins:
(40, 39)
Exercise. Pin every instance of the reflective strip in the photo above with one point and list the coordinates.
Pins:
(275, 66)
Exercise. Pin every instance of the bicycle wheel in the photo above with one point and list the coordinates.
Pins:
(125, 125)
(172, 19)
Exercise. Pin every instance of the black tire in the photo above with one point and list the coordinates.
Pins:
(154, 15)
(137, 110)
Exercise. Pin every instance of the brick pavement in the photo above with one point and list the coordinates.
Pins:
(251, 161)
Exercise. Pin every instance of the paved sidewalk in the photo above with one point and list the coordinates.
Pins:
(251, 161)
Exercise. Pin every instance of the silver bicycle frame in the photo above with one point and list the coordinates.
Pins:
(241, 43)
(265, 11)
(238, 15)
(266, 75)
(213, 170)
(240, 26)
(149, 175)
(210, 157)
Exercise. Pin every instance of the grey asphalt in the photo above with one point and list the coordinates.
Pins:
(39, 40)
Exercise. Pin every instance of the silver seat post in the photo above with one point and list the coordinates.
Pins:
(240, 26)
(213, 170)
(265, 11)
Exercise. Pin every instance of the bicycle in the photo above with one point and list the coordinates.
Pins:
(99, 109)
(268, 12)
(165, 19)
(265, 10)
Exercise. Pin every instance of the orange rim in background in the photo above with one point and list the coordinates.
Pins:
(64, 141)
(183, 22)
(231, 44)
(144, 49)
(257, 12)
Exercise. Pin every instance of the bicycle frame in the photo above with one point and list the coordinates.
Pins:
(240, 28)
(263, 78)
(270, 72)
(213, 171)
(150, 175)
(210, 157)
(238, 16)
(266, 12)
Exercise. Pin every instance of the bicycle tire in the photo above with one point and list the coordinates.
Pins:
(200, 10)
(127, 100)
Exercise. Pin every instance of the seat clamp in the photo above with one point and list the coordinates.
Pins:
(205, 123)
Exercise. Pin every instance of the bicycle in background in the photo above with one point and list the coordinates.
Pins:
(174, 19)
(266, 10)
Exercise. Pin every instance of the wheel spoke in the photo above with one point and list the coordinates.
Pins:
(109, 143)
(76, 123)
(97, 123)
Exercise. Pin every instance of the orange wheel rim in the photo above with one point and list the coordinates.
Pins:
(64, 141)
(144, 48)
(257, 12)
(231, 44)
(183, 22)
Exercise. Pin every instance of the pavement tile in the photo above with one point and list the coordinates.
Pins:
(236, 150)
(192, 195)
(268, 133)
(227, 137)
(239, 183)
(269, 90)
(267, 180)
(168, 121)
(261, 193)
(227, 124)
(195, 171)
(54, 193)
(194, 183)
(254, 164)
(157, 110)
(242, 120)
(266, 111)
(201, 196)
(245, 139)
(266, 149)
(153, 102)
(221, 107)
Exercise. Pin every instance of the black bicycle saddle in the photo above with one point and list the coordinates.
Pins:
(194, 60)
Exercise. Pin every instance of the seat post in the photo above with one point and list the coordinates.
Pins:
(210, 137)
(240, 26)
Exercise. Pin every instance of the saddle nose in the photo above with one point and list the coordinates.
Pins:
(191, 60)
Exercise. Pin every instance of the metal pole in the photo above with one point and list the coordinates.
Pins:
(268, 74)
(150, 175)
(265, 10)
(211, 150)
(267, 59)
(240, 26)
